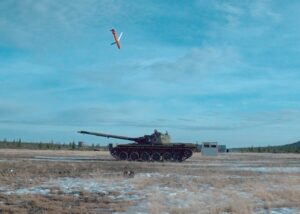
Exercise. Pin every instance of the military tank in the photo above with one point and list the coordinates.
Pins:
(154, 147)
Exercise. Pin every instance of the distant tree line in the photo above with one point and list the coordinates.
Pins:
(19, 144)
(289, 148)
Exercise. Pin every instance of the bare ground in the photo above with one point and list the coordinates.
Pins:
(34, 181)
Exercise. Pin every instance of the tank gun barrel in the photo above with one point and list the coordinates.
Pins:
(108, 135)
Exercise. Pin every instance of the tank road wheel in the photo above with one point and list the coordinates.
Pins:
(123, 156)
(187, 153)
(156, 156)
(177, 157)
(134, 156)
(114, 153)
(167, 156)
(145, 156)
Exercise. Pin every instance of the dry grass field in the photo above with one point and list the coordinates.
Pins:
(92, 182)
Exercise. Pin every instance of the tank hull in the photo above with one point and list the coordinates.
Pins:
(136, 152)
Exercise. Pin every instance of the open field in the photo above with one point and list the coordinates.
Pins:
(92, 182)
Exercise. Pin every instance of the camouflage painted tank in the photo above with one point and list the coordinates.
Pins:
(154, 147)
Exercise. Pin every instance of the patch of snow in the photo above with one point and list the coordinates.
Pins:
(33, 190)
(64, 159)
(271, 169)
(280, 210)
(284, 210)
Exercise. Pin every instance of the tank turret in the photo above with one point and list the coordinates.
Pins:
(153, 147)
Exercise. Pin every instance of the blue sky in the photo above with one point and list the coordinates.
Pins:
(225, 71)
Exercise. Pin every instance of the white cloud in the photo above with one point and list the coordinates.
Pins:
(263, 9)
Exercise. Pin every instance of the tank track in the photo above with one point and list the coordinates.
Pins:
(176, 153)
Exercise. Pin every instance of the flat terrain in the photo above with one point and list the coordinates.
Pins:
(34, 181)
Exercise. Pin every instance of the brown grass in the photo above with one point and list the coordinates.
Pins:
(61, 203)
(212, 185)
